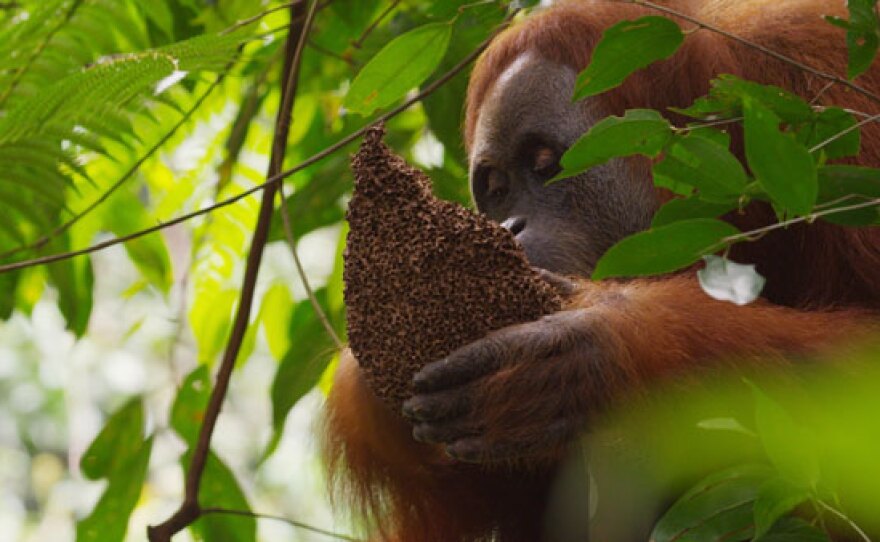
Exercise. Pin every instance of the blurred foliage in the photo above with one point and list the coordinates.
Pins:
(118, 114)
(746, 453)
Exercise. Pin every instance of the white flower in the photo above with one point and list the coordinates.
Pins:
(729, 281)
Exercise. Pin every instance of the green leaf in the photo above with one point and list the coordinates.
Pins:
(733, 524)
(8, 285)
(728, 92)
(310, 351)
(120, 454)
(117, 443)
(336, 285)
(450, 183)
(355, 14)
(788, 106)
(276, 310)
(189, 407)
(401, 65)
(719, 137)
(73, 278)
(841, 181)
(219, 486)
(680, 209)
(679, 188)
(862, 35)
(704, 164)
(725, 424)
(718, 508)
(790, 447)
(108, 521)
(639, 131)
(313, 206)
(776, 498)
(624, 48)
(148, 253)
(443, 106)
(783, 166)
(220, 489)
(829, 124)
(794, 530)
(211, 320)
(664, 249)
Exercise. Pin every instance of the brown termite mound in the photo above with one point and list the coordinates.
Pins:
(424, 276)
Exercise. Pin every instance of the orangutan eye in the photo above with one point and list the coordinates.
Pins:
(490, 186)
(496, 185)
(545, 162)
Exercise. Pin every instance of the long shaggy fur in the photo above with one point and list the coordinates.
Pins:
(822, 279)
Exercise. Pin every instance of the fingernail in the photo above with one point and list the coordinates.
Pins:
(419, 381)
(409, 410)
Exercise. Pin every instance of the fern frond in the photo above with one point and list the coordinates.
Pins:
(71, 89)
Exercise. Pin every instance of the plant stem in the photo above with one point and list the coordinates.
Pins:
(189, 510)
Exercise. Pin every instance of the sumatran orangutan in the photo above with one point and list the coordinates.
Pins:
(475, 455)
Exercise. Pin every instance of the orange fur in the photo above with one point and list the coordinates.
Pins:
(822, 280)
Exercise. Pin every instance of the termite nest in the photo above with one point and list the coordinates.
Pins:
(424, 276)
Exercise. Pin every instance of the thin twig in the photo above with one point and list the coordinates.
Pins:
(327, 52)
(317, 157)
(857, 113)
(710, 124)
(822, 92)
(189, 510)
(840, 200)
(862, 534)
(291, 522)
(285, 218)
(464, 7)
(845, 131)
(16, 79)
(359, 42)
(258, 16)
(42, 241)
(751, 234)
(769, 52)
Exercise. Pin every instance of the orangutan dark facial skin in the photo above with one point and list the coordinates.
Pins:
(526, 123)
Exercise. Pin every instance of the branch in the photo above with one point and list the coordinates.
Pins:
(293, 523)
(288, 229)
(845, 131)
(189, 510)
(327, 52)
(822, 92)
(853, 525)
(317, 157)
(752, 235)
(42, 241)
(258, 16)
(769, 52)
(358, 43)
